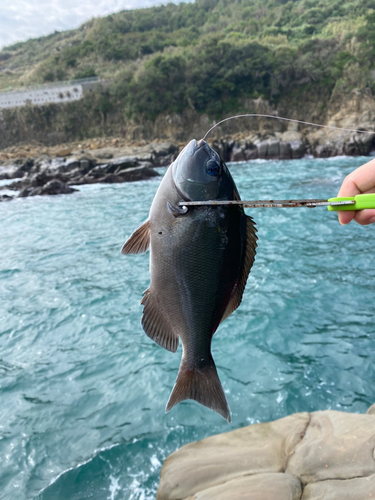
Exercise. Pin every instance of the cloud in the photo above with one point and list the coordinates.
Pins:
(23, 19)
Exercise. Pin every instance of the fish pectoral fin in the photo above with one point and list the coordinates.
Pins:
(139, 241)
(155, 324)
(250, 242)
(201, 384)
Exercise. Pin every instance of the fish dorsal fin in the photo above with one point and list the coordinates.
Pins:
(139, 241)
(155, 324)
(250, 249)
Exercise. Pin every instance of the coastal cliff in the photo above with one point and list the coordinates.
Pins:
(237, 140)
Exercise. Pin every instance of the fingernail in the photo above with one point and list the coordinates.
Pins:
(372, 220)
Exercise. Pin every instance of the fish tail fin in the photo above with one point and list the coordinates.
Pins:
(201, 384)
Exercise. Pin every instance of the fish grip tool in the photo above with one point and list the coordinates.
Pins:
(358, 202)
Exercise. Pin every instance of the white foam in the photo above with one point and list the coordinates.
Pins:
(155, 462)
(113, 487)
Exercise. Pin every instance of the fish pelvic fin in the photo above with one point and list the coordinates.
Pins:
(201, 384)
(155, 323)
(139, 241)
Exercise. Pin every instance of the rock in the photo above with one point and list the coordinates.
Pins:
(285, 152)
(138, 174)
(351, 489)
(258, 487)
(63, 152)
(329, 453)
(127, 175)
(104, 154)
(51, 188)
(56, 187)
(254, 449)
(5, 197)
(163, 154)
(73, 164)
(371, 410)
(325, 150)
(273, 150)
(262, 149)
(298, 149)
(336, 445)
(23, 169)
(122, 163)
(358, 144)
(237, 153)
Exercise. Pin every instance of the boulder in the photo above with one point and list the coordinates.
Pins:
(273, 150)
(336, 445)
(218, 459)
(325, 150)
(269, 486)
(285, 152)
(326, 455)
(5, 197)
(350, 489)
(119, 164)
(51, 188)
(262, 149)
(163, 153)
(298, 149)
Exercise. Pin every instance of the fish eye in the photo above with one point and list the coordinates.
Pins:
(212, 167)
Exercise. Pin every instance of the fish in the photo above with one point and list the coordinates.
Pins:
(200, 259)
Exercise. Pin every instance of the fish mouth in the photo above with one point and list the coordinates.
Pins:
(189, 171)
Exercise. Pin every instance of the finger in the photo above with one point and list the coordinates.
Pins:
(365, 217)
(360, 181)
(345, 216)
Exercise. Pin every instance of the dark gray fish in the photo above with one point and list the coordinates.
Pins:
(199, 263)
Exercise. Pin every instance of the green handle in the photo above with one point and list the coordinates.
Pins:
(362, 201)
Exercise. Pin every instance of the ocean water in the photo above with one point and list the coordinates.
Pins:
(83, 389)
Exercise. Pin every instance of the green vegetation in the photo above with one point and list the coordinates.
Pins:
(209, 55)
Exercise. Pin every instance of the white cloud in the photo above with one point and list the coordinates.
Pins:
(23, 19)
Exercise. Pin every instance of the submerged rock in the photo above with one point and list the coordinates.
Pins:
(327, 455)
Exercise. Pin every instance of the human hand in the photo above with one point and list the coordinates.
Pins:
(360, 181)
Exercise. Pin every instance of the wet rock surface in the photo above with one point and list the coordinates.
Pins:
(327, 455)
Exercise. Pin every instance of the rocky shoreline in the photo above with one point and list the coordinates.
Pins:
(49, 171)
(324, 455)
(41, 170)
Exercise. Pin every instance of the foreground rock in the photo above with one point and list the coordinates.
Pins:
(326, 455)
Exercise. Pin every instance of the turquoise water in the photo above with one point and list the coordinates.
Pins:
(83, 390)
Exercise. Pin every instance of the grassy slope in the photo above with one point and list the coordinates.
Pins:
(209, 56)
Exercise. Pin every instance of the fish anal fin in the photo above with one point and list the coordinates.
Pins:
(201, 384)
(248, 260)
(139, 241)
(155, 324)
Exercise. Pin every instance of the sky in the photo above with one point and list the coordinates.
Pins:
(24, 19)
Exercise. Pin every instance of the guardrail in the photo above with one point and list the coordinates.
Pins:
(48, 85)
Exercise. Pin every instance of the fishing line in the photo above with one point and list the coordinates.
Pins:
(288, 120)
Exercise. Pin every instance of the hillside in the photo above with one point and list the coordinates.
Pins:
(211, 56)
